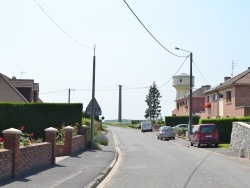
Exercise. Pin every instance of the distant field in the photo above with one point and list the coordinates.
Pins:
(117, 124)
(124, 121)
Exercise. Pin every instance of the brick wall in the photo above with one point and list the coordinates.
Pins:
(242, 95)
(78, 143)
(34, 156)
(15, 160)
(198, 106)
(5, 163)
(60, 150)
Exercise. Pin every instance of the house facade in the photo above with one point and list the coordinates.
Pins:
(230, 98)
(198, 101)
(18, 90)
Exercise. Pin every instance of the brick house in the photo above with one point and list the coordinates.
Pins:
(182, 104)
(18, 90)
(230, 98)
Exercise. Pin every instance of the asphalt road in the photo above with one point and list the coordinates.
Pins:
(148, 162)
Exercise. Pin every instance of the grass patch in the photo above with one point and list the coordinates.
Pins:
(226, 146)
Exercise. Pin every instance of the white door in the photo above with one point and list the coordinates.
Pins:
(221, 104)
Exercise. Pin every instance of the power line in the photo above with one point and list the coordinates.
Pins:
(53, 91)
(200, 73)
(136, 88)
(175, 72)
(61, 28)
(150, 32)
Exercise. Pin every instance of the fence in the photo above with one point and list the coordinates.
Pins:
(15, 160)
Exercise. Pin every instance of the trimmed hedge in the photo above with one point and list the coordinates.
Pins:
(224, 126)
(38, 116)
(175, 120)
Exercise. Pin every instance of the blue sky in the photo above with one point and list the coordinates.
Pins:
(217, 32)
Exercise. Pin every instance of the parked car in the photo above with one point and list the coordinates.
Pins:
(165, 132)
(146, 126)
(181, 126)
(204, 134)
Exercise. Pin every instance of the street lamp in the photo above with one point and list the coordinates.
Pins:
(191, 92)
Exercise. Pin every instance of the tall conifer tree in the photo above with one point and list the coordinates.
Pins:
(153, 110)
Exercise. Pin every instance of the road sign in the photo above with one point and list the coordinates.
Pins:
(97, 108)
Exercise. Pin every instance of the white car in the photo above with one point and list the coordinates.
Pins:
(146, 126)
(182, 126)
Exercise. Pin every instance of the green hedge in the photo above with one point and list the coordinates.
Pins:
(224, 126)
(38, 116)
(175, 120)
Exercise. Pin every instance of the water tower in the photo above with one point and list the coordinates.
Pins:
(181, 83)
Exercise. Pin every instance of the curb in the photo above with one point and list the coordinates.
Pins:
(94, 183)
(242, 160)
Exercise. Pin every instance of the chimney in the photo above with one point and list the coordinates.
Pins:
(226, 78)
(206, 87)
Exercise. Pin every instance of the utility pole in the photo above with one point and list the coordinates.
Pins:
(92, 110)
(190, 92)
(191, 96)
(120, 104)
(69, 96)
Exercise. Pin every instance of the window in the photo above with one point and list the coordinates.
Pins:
(228, 96)
(221, 95)
(215, 97)
(208, 99)
(208, 129)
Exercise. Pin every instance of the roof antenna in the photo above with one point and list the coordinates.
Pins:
(233, 65)
(22, 74)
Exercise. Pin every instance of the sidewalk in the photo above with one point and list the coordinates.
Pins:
(218, 151)
(84, 169)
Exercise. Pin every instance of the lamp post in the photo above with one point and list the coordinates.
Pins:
(190, 93)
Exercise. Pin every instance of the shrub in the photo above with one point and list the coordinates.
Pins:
(1, 142)
(224, 126)
(61, 133)
(25, 138)
(101, 138)
(38, 116)
(175, 120)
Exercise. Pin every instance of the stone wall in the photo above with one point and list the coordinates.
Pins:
(240, 136)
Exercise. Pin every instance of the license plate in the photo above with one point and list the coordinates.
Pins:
(208, 136)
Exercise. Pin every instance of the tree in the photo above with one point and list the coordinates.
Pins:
(153, 110)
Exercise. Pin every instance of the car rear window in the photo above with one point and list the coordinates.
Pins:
(208, 129)
(166, 128)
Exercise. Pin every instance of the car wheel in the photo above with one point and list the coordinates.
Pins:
(216, 145)
(198, 145)
(158, 137)
(191, 144)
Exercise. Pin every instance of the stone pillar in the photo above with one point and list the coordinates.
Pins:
(85, 131)
(11, 141)
(68, 140)
(50, 136)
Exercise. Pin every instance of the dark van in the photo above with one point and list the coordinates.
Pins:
(204, 134)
